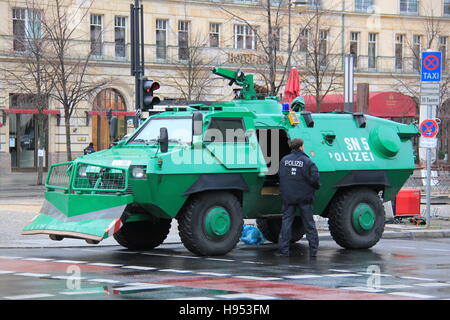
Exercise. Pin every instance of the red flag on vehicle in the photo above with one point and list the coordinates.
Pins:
(292, 89)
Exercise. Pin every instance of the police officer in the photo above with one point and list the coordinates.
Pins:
(299, 178)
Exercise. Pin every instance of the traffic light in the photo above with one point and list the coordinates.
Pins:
(148, 101)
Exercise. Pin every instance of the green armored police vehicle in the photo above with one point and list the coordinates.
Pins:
(210, 167)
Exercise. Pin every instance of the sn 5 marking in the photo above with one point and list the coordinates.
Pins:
(358, 151)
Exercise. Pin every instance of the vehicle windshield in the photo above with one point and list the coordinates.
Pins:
(179, 130)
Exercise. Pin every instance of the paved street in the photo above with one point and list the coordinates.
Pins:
(394, 269)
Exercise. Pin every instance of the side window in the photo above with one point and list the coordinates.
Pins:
(226, 130)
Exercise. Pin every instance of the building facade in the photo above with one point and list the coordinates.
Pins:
(185, 39)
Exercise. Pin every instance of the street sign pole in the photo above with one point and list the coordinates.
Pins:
(430, 95)
(428, 208)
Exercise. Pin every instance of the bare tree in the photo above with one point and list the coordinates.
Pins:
(319, 60)
(427, 38)
(30, 75)
(70, 60)
(268, 39)
(193, 69)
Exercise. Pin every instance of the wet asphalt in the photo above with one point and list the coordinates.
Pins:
(393, 269)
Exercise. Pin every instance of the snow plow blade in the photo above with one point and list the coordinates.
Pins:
(84, 216)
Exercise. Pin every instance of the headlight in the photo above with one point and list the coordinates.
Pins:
(138, 172)
(82, 171)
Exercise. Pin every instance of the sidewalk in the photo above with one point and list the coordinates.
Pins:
(21, 200)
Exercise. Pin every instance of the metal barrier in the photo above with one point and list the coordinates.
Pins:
(440, 182)
(87, 177)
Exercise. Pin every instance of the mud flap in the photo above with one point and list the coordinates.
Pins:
(69, 216)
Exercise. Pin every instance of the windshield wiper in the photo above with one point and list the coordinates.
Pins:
(144, 140)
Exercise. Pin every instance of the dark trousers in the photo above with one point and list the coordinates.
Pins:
(306, 214)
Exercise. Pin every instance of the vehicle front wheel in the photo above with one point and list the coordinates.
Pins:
(211, 223)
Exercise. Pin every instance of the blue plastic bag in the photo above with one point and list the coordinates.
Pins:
(252, 235)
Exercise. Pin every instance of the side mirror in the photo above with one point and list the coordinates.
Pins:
(197, 124)
(163, 140)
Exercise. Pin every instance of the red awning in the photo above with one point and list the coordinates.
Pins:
(381, 104)
(114, 113)
(31, 111)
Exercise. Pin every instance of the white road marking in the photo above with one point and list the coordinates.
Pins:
(8, 257)
(339, 270)
(377, 274)
(246, 296)
(6, 272)
(174, 270)
(68, 278)
(442, 250)
(395, 286)
(214, 274)
(364, 289)
(258, 278)
(139, 268)
(103, 280)
(194, 298)
(218, 259)
(342, 275)
(252, 262)
(29, 296)
(416, 278)
(412, 295)
(303, 276)
(105, 264)
(70, 261)
(37, 259)
(34, 275)
(147, 286)
(432, 284)
(70, 293)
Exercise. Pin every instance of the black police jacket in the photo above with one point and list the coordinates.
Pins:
(299, 178)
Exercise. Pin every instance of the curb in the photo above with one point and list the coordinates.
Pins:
(410, 234)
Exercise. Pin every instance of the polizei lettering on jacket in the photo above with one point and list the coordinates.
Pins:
(358, 150)
(293, 163)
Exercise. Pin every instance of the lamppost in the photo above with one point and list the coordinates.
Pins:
(292, 3)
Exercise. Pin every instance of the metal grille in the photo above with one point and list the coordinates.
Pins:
(98, 178)
(59, 176)
(440, 182)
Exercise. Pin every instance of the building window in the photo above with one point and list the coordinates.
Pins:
(96, 34)
(314, 3)
(26, 26)
(408, 6)
(161, 39)
(447, 7)
(183, 40)
(244, 37)
(354, 46)
(364, 5)
(214, 35)
(416, 50)
(372, 51)
(443, 41)
(303, 40)
(119, 36)
(399, 39)
(323, 47)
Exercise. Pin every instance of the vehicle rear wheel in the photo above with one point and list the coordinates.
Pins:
(211, 223)
(271, 228)
(143, 235)
(356, 218)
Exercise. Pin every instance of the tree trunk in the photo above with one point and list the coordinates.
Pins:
(41, 145)
(68, 142)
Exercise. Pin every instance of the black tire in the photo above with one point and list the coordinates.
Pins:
(340, 219)
(192, 229)
(143, 235)
(271, 228)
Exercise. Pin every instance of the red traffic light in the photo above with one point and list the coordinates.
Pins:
(149, 100)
